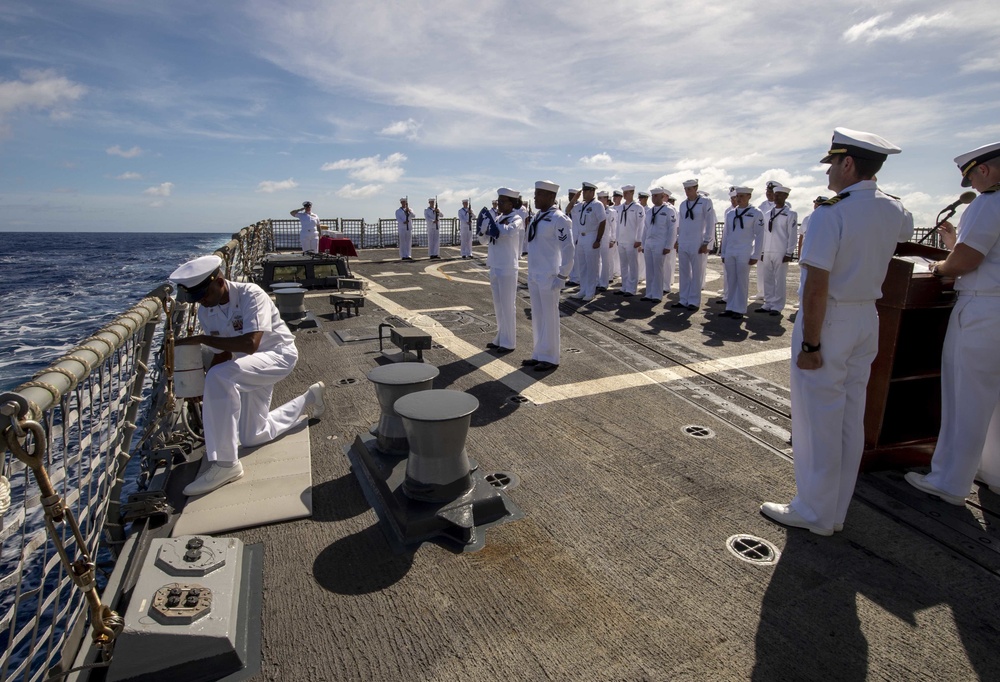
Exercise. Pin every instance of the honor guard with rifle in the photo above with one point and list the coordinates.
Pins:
(465, 229)
(432, 215)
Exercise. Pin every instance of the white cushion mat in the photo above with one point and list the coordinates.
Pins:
(276, 486)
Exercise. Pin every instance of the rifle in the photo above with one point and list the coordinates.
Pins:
(406, 212)
(437, 214)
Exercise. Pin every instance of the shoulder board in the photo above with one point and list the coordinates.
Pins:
(893, 196)
(991, 190)
(833, 200)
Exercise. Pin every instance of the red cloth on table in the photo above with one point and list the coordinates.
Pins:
(338, 246)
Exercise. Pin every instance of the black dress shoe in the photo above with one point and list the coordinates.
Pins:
(492, 345)
(572, 284)
(619, 293)
(737, 316)
(407, 258)
(501, 349)
(692, 307)
(602, 288)
(726, 313)
(775, 312)
(434, 257)
(530, 362)
(721, 301)
(645, 298)
(627, 295)
(762, 310)
(678, 305)
(544, 366)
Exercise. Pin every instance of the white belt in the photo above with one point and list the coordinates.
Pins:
(978, 293)
(847, 304)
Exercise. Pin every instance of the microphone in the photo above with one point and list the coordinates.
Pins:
(966, 198)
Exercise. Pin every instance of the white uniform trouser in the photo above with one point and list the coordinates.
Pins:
(523, 236)
(589, 259)
(465, 240)
(629, 257)
(309, 241)
(970, 392)
(238, 399)
(773, 274)
(737, 283)
(616, 267)
(668, 269)
(604, 266)
(545, 318)
(405, 242)
(433, 240)
(760, 284)
(653, 255)
(503, 283)
(691, 274)
(828, 412)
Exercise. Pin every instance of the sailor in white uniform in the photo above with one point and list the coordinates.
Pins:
(670, 258)
(501, 237)
(404, 225)
(722, 239)
(308, 227)
(657, 241)
(550, 259)
(522, 237)
(253, 351)
(465, 229)
(610, 235)
(573, 196)
(741, 243)
(589, 224)
(844, 259)
(765, 207)
(695, 232)
(968, 444)
(631, 225)
(616, 266)
(780, 239)
(432, 216)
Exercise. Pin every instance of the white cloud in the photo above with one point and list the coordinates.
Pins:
(270, 186)
(602, 160)
(407, 129)
(39, 90)
(987, 64)
(352, 192)
(129, 176)
(161, 190)
(124, 153)
(870, 31)
(372, 168)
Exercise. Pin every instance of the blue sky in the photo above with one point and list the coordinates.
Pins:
(207, 116)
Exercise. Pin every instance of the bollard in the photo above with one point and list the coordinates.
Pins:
(436, 424)
(291, 303)
(392, 382)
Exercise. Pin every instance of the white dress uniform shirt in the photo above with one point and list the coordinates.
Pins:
(780, 240)
(741, 241)
(522, 237)
(308, 230)
(465, 231)
(237, 399)
(969, 440)
(631, 225)
(852, 239)
(433, 232)
(550, 260)
(502, 259)
(660, 233)
(404, 225)
(587, 217)
(610, 235)
(695, 229)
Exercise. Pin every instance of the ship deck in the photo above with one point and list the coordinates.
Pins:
(620, 568)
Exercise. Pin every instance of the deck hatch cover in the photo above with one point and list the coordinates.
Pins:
(753, 550)
(696, 431)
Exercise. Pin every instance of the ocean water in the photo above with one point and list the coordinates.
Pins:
(57, 288)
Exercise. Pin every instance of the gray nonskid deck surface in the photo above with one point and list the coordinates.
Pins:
(619, 571)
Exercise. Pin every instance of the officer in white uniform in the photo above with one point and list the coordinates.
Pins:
(589, 224)
(969, 439)
(501, 237)
(404, 229)
(432, 216)
(308, 227)
(741, 243)
(610, 235)
(550, 259)
(658, 240)
(253, 351)
(780, 239)
(465, 229)
(765, 207)
(631, 226)
(844, 260)
(695, 232)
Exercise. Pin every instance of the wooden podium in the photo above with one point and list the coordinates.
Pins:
(903, 407)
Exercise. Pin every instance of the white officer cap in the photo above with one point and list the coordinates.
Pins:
(507, 192)
(306, 203)
(195, 275)
(589, 185)
(548, 186)
(770, 184)
(732, 192)
(603, 194)
(859, 144)
(969, 160)
(643, 194)
(744, 190)
(820, 199)
(691, 183)
(628, 188)
(780, 188)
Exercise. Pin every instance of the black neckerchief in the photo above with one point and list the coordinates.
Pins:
(689, 208)
(770, 223)
(533, 227)
(583, 211)
(739, 216)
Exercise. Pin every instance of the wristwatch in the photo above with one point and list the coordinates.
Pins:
(806, 348)
(934, 269)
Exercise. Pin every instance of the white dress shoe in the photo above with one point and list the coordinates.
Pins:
(919, 481)
(314, 405)
(214, 477)
(786, 516)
